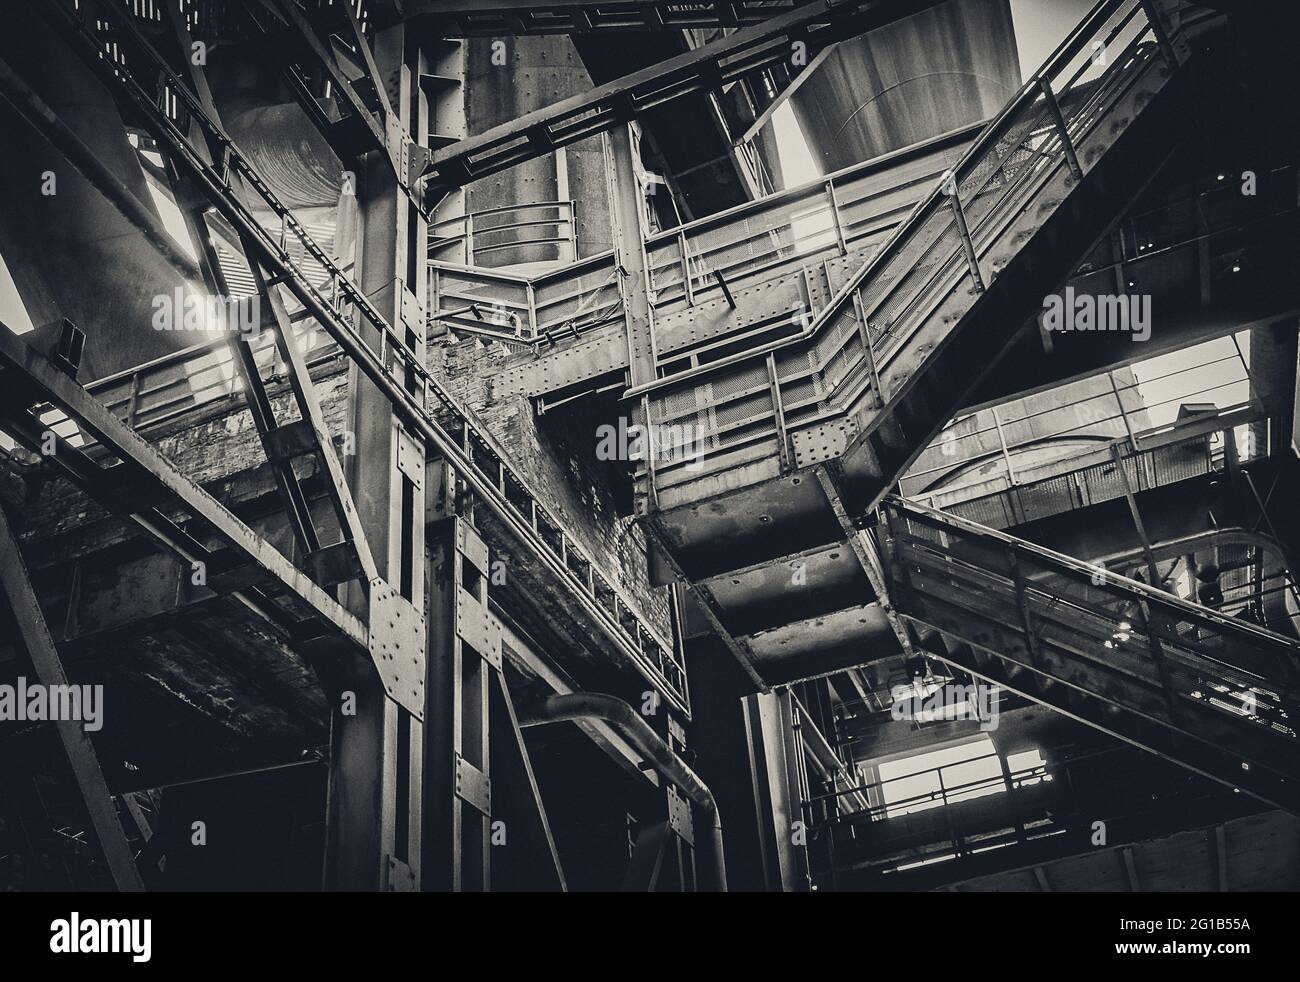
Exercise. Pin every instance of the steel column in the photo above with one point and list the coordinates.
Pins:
(464, 666)
(374, 825)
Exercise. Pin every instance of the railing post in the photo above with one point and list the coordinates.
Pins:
(133, 400)
(469, 239)
(1158, 29)
(1013, 488)
(687, 286)
(1054, 107)
(864, 330)
(835, 216)
(1006, 451)
(778, 415)
(959, 216)
(573, 231)
(1128, 425)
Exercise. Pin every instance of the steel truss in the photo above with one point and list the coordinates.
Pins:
(396, 762)
(425, 407)
(146, 488)
(349, 559)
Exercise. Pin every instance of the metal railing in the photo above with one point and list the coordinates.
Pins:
(779, 234)
(754, 399)
(1158, 648)
(882, 807)
(1017, 452)
(546, 230)
(170, 387)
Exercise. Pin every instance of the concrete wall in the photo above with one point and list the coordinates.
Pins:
(71, 253)
(560, 475)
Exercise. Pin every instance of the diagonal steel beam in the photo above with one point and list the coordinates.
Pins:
(292, 36)
(783, 96)
(709, 67)
(513, 768)
(145, 478)
(44, 657)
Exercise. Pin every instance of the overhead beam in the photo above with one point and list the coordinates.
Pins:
(497, 18)
(709, 67)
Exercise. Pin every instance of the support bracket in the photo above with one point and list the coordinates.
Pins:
(397, 646)
(473, 786)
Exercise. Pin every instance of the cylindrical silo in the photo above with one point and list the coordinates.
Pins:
(935, 71)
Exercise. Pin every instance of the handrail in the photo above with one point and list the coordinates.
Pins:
(812, 188)
(1008, 780)
(1194, 430)
(1028, 92)
(561, 203)
(1189, 612)
(737, 214)
(565, 217)
(1114, 397)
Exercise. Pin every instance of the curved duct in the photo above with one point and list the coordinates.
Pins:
(289, 153)
(621, 716)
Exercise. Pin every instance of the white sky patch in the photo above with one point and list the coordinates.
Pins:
(953, 766)
(172, 221)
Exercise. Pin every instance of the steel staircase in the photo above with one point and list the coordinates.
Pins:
(1214, 694)
(886, 363)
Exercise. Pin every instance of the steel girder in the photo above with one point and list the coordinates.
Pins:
(16, 587)
(495, 18)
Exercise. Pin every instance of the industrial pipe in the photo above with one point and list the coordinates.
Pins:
(621, 716)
